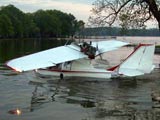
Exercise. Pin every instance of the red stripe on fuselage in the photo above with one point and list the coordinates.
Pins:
(70, 71)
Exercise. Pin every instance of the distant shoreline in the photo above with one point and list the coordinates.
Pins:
(52, 38)
(130, 39)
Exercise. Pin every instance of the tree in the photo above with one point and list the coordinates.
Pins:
(67, 23)
(16, 17)
(80, 25)
(138, 12)
(124, 24)
(19, 23)
(6, 28)
(79, 28)
(45, 23)
(30, 28)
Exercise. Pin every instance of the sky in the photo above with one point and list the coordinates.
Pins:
(81, 9)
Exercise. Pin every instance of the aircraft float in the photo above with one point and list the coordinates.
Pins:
(74, 60)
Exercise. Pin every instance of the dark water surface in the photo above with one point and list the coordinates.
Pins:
(73, 99)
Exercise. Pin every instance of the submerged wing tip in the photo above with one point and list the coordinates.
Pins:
(13, 68)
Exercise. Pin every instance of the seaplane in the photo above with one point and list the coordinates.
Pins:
(74, 60)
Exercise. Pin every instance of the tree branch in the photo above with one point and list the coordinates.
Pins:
(138, 12)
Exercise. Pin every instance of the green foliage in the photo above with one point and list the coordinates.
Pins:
(50, 23)
(46, 23)
(16, 17)
(6, 28)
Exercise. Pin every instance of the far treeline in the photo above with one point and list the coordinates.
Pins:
(43, 23)
(115, 31)
(53, 23)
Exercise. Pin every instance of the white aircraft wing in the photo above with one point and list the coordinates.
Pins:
(46, 58)
(58, 55)
(105, 46)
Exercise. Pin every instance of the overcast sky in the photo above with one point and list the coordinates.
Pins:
(79, 8)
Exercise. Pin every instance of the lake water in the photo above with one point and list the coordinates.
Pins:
(73, 99)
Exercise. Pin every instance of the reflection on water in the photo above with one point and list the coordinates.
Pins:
(10, 49)
(118, 99)
(115, 99)
(76, 99)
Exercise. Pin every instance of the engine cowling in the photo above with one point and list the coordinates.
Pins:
(88, 50)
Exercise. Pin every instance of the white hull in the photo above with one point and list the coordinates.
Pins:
(69, 73)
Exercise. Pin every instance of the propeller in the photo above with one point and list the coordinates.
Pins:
(99, 53)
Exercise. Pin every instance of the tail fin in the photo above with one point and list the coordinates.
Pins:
(139, 62)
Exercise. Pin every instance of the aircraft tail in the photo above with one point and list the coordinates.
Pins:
(139, 62)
